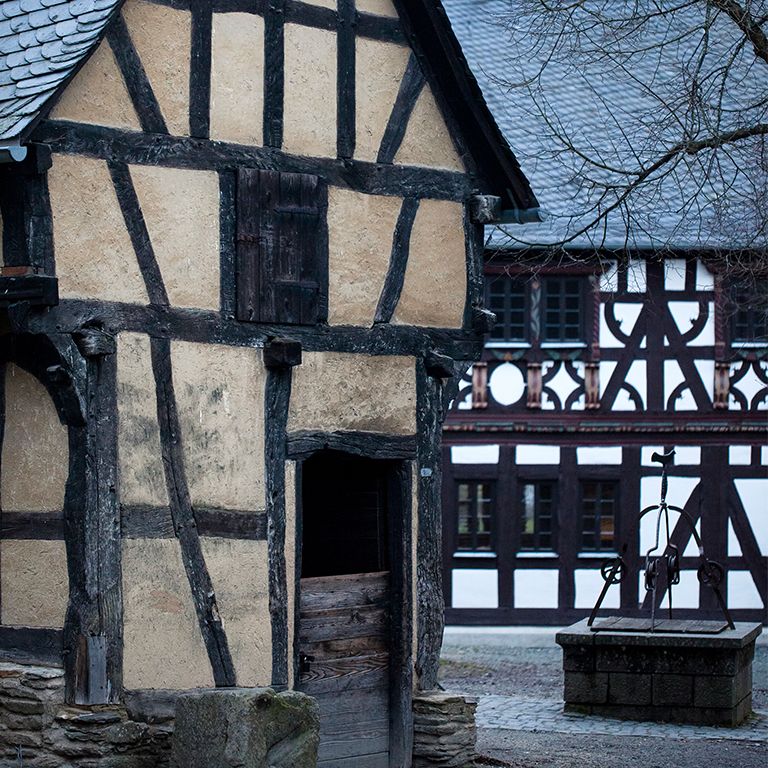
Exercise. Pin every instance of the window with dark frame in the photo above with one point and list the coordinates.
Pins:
(563, 309)
(598, 515)
(538, 523)
(474, 516)
(508, 300)
(749, 319)
(558, 300)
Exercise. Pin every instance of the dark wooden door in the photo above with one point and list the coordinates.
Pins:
(345, 617)
(344, 664)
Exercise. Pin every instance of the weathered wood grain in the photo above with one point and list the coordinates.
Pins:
(302, 444)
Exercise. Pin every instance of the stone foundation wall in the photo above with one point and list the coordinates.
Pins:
(694, 678)
(444, 731)
(36, 724)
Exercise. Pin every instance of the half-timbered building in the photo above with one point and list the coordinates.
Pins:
(600, 357)
(228, 329)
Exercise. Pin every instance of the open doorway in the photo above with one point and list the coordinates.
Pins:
(350, 628)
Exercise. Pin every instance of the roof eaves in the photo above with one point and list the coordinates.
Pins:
(429, 29)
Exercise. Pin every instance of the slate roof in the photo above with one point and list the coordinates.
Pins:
(586, 101)
(42, 43)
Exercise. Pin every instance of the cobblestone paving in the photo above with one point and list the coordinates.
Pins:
(517, 678)
(546, 715)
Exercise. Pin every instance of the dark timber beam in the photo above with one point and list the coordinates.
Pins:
(411, 87)
(184, 152)
(277, 398)
(301, 445)
(136, 81)
(430, 601)
(184, 522)
(211, 328)
(398, 261)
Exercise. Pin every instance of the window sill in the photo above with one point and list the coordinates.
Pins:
(736, 345)
(563, 345)
(597, 555)
(508, 345)
(537, 555)
(475, 555)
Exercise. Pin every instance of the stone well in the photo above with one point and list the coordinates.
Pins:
(683, 677)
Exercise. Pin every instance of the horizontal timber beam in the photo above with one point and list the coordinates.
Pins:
(32, 645)
(138, 522)
(370, 444)
(212, 328)
(200, 154)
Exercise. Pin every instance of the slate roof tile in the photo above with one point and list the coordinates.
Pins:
(491, 50)
(41, 44)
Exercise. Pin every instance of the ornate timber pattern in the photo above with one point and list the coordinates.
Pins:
(657, 368)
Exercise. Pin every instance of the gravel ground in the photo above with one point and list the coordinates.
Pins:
(527, 665)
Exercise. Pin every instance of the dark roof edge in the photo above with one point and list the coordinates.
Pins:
(428, 27)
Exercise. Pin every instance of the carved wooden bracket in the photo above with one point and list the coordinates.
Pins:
(592, 385)
(722, 385)
(484, 209)
(534, 385)
(480, 385)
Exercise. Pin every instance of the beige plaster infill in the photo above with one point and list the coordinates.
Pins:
(163, 647)
(181, 210)
(94, 255)
(427, 140)
(309, 109)
(379, 69)
(360, 231)
(435, 286)
(377, 7)
(140, 462)
(98, 95)
(239, 573)
(220, 398)
(163, 39)
(34, 585)
(237, 78)
(344, 391)
(35, 455)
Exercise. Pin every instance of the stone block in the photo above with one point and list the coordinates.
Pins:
(247, 728)
(722, 691)
(672, 690)
(628, 688)
(623, 659)
(586, 687)
(578, 658)
(444, 731)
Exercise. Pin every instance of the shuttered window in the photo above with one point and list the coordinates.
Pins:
(282, 247)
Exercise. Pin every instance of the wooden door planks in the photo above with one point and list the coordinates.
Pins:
(344, 631)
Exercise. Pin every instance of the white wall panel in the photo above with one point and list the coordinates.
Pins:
(740, 455)
(506, 384)
(475, 588)
(636, 276)
(588, 584)
(538, 454)
(536, 588)
(609, 454)
(754, 498)
(674, 274)
(687, 454)
(475, 454)
(742, 592)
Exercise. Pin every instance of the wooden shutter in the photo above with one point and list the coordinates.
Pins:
(282, 247)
